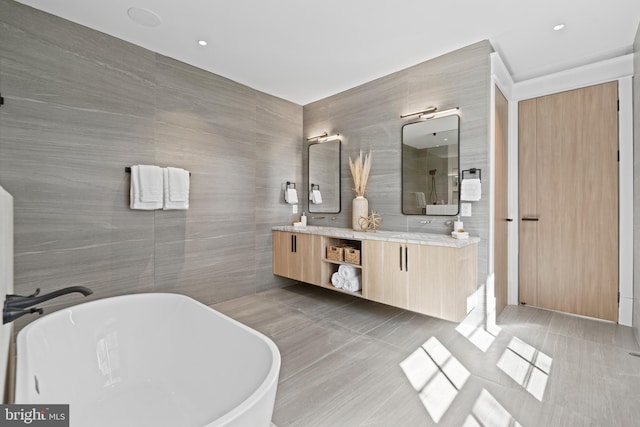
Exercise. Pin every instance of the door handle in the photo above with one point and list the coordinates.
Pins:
(292, 247)
(400, 257)
(528, 218)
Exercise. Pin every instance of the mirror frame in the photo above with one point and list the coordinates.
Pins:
(402, 167)
(309, 204)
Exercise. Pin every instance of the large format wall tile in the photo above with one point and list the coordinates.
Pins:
(368, 118)
(80, 107)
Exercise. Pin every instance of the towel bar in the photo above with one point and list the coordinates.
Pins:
(127, 169)
(473, 171)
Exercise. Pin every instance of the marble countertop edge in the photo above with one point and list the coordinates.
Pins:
(386, 236)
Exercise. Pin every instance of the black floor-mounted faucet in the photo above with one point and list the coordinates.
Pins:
(16, 306)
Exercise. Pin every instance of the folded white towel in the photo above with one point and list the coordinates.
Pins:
(337, 280)
(135, 190)
(291, 196)
(352, 285)
(150, 183)
(178, 185)
(168, 204)
(316, 197)
(470, 189)
(348, 272)
(421, 200)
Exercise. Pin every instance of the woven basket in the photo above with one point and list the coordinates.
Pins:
(352, 256)
(335, 253)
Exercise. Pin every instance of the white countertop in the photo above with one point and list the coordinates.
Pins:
(386, 236)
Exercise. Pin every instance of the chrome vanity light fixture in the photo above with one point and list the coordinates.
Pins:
(325, 137)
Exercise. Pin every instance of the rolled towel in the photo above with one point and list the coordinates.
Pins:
(352, 285)
(347, 271)
(337, 280)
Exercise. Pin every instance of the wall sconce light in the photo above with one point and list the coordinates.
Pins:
(425, 111)
(311, 138)
(431, 112)
(442, 113)
(324, 137)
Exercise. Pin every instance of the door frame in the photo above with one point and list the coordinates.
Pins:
(620, 69)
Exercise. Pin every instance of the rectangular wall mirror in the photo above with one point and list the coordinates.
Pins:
(430, 167)
(324, 177)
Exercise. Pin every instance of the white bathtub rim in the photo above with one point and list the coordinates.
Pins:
(270, 381)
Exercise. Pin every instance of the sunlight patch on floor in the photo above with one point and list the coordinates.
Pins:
(527, 366)
(436, 375)
(487, 412)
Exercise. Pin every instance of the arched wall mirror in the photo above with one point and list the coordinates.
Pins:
(324, 177)
(431, 167)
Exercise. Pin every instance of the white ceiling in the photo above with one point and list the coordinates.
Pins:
(305, 50)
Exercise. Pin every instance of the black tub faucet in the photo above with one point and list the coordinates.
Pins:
(16, 306)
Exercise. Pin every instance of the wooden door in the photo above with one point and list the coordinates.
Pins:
(282, 250)
(384, 276)
(568, 170)
(501, 201)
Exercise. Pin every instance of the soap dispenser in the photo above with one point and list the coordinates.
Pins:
(457, 225)
(303, 219)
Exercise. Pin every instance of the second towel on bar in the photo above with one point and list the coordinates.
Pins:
(176, 188)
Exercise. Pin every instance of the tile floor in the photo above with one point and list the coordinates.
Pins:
(350, 362)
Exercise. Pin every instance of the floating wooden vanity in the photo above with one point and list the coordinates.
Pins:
(432, 274)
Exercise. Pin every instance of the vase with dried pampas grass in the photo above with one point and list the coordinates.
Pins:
(360, 169)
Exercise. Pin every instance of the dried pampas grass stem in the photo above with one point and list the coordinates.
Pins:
(360, 172)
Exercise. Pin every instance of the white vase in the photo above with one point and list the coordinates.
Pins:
(360, 208)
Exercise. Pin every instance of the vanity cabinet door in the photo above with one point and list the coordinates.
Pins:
(441, 280)
(285, 261)
(297, 256)
(309, 256)
(384, 273)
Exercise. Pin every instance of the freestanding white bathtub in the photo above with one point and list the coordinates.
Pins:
(148, 360)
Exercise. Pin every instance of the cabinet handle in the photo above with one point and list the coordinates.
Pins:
(400, 257)
(295, 243)
(529, 219)
(406, 258)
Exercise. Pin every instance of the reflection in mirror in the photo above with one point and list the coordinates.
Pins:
(324, 177)
(430, 167)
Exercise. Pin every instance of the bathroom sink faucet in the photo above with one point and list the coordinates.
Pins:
(16, 306)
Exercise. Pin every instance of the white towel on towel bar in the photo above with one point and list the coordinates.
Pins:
(291, 196)
(135, 190)
(178, 184)
(150, 183)
(470, 189)
(421, 200)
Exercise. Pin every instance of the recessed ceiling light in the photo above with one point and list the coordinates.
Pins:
(202, 42)
(144, 17)
(558, 27)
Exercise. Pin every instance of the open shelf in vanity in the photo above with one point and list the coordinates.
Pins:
(331, 266)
